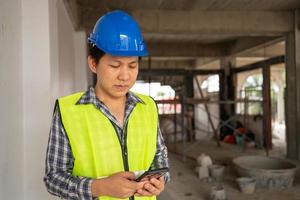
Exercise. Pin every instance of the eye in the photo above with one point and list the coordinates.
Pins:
(114, 66)
(133, 66)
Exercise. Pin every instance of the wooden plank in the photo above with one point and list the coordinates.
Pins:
(204, 101)
(168, 101)
(207, 101)
(267, 127)
(223, 90)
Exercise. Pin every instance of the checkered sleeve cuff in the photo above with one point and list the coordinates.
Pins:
(85, 189)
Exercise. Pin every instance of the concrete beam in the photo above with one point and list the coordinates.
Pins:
(177, 72)
(241, 23)
(178, 64)
(260, 64)
(186, 49)
(247, 45)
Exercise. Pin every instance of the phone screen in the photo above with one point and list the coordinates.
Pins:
(154, 173)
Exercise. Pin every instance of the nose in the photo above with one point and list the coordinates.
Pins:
(124, 73)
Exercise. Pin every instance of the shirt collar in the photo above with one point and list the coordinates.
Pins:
(89, 97)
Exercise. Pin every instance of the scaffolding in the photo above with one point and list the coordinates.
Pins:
(183, 100)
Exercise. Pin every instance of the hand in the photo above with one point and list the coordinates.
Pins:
(119, 185)
(152, 188)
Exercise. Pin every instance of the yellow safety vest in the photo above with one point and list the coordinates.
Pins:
(95, 145)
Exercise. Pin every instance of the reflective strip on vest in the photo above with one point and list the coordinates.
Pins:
(95, 144)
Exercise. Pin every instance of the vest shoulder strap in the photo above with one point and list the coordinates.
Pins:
(70, 99)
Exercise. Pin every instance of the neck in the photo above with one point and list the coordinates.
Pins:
(108, 100)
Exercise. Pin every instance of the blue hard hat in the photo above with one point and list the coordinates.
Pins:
(118, 34)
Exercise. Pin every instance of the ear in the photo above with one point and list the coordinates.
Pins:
(92, 64)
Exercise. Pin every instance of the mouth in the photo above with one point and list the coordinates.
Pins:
(121, 87)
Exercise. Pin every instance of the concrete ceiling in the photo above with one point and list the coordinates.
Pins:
(192, 30)
(90, 10)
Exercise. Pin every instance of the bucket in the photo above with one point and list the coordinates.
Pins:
(218, 193)
(216, 172)
(246, 184)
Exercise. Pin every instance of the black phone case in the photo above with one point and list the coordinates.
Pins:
(160, 172)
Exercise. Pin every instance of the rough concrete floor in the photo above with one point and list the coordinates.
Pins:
(186, 186)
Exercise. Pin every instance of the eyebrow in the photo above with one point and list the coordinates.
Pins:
(134, 61)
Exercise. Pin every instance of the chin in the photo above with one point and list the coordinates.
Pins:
(119, 94)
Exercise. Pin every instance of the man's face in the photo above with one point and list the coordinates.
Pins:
(116, 75)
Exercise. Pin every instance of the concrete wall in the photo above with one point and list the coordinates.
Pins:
(66, 57)
(57, 76)
(11, 117)
(82, 74)
(36, 94)
(69, 71)
(41, 56)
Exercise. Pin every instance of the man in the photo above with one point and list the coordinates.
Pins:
(100, 137)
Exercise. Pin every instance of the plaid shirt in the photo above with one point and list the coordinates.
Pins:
(59, 159)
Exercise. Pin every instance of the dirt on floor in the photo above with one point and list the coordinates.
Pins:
(186, 185)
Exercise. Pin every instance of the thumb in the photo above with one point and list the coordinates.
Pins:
(128, 175)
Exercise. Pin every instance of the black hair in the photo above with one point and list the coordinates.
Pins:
(95, 53)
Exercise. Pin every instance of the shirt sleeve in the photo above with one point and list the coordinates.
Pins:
(58, 177)
(161, 155)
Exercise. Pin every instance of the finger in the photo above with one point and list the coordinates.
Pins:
(162, 179)
(155, 181)
(158, 183)
(162, 183)
(140, 185)
(152, 189)
(142, 192)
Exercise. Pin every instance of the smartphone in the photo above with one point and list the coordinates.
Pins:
(153, 173)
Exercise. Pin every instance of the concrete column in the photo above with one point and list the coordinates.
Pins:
(36, 95)
(227, 90)
(30, 81)
(292, 97)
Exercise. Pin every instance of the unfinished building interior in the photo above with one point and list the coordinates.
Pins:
(214, 66)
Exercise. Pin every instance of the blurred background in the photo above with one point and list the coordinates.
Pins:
(217, 69)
